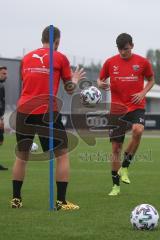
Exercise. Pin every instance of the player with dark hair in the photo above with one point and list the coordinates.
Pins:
(127, 72)
(33, 115)
(3, 77)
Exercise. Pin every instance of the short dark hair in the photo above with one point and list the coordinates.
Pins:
(123, 39)
(45, 34)
(3, 67)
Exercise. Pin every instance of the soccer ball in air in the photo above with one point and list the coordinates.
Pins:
(144, 217)
(34, 147)
(90, 96)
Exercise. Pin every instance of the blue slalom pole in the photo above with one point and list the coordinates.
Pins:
(51, 119)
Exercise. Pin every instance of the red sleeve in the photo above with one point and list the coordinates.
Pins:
(148, 71)
(104, 72)
(66, 70)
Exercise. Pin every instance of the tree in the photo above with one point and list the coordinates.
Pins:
(154, 57)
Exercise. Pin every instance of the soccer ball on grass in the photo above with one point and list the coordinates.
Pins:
(144, 217)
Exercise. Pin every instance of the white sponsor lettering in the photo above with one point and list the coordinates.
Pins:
(37, 70)
(127, 79)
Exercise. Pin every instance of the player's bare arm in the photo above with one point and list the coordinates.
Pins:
(103, 84)
(138, 97)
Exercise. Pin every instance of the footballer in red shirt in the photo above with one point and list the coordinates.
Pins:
(35, 75)
(127, 72)
(33, 115)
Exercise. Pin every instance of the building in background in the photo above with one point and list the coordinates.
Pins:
(153, 100)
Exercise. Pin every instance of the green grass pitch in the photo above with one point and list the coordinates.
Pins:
(100, 216)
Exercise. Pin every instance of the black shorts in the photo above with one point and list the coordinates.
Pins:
(1, 134)
(29, 125)
(125, 123)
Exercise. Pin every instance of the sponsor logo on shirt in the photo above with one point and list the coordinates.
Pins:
(37, 70)
(115, 69)
(131, 78)
(41, 69)
(40, 57)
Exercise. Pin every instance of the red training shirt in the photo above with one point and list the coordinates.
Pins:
(126, 78)
(35, 79)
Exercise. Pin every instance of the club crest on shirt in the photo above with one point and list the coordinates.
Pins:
(136, 67)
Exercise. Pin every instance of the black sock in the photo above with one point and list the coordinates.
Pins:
(115, 178)
(61, 191)
(17, 185)
(127, 160)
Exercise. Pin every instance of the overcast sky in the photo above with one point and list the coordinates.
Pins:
(89, 27)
